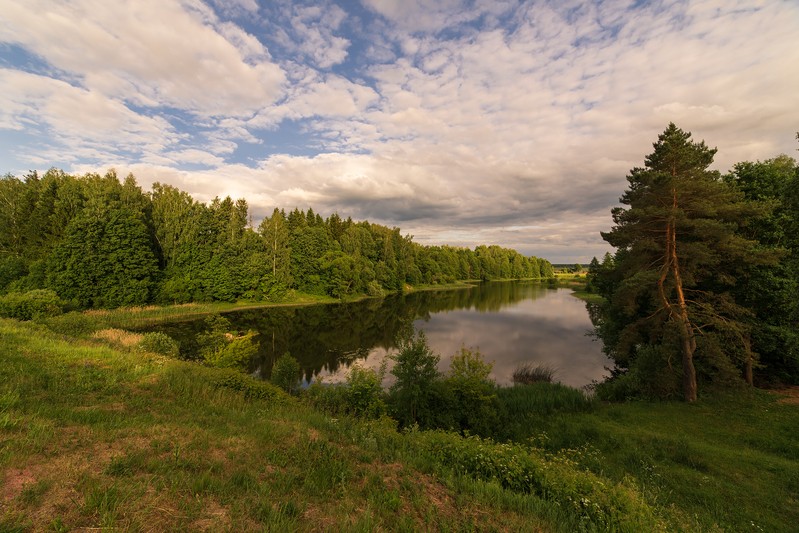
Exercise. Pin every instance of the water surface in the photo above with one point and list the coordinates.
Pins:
(511, 323)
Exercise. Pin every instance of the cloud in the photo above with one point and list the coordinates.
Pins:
(77, 122)
(465, 122)
(150, 52)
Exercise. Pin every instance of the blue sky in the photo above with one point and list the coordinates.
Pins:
(462, 122)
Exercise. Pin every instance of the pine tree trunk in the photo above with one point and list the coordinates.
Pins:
(749, 365)
(686, 330)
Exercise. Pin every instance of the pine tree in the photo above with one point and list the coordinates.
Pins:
(678, 253)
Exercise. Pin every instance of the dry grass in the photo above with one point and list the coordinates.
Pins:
(118, 337)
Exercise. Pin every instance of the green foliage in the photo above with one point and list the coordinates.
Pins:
(517, 468)
(104, 260)
(286, 373)
(769, 291)
(416, 372)
(475, 403)
(364, 392)
(651, 378)
(680, 252)
(160, 343)
(235, 353)
(216, 334)
(252, 389)
(99, 242)
(221, 349)
(31, 305)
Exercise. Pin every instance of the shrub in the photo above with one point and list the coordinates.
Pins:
(364, 392)
(473, 393)
(236, 353)
(650, 377)
(160, 343)
(374, 289)
(38, 303)
(286, 373)
(416, 370)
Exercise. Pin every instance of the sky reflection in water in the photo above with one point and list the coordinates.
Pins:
(547, 326)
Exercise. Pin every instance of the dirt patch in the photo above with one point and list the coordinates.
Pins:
(14, 481)
(216, 518)
(789, 396)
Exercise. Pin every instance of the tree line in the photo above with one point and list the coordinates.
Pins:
(702, 288)
(101, 242)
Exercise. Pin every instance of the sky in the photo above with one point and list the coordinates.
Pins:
(462, 122)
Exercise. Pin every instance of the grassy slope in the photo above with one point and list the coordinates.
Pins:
(97, 437)
(94, 437)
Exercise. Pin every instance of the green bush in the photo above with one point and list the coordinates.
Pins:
(650, 377)
(364, 392)
(473, 393)
(160, 343)
(416, 370)
(235, 354)
(286, 373)
(35, 304)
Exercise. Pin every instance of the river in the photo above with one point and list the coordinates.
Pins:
(511, 323)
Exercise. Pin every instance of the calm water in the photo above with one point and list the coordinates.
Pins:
(511, 323)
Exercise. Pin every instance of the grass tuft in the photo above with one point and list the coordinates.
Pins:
(529, 373)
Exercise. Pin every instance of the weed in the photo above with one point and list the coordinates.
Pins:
(529, 373)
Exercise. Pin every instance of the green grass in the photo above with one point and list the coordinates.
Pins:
(83, 323)
(95, 437)
(102, 438)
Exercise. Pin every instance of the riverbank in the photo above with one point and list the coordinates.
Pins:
(83, 323)
(98, 437)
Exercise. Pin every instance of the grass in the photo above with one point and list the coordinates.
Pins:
(84, 323)
(103, 438)
(98, 437)
(530, 373)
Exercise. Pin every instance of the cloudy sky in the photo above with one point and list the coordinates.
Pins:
(460, 121)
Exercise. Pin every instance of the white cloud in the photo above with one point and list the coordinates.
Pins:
(149, 52)
(77, 121)
(463, 122)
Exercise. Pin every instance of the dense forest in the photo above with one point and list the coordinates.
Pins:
(98, 242)
(703, 287)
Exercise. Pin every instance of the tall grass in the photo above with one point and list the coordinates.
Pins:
(543, 398)
(529, 373)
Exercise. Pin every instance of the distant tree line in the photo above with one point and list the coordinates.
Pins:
(99, 242)
(703, 288)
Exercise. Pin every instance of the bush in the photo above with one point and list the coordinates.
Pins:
(649, 377)
(35, 304)
(416, 370)
(364, 392)
(160, 343)
(474, 394)
(235, 354)
(374, 289)
(286, 373)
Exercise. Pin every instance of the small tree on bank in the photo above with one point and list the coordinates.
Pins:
(678, 255)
